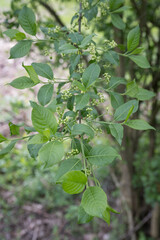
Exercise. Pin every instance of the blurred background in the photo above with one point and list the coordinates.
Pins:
(32, 206)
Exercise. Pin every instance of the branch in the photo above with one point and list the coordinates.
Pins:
(52, 12)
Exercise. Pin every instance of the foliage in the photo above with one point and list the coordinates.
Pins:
(67, 108)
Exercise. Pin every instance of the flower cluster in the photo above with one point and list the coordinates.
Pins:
(104, 7)
(96, 102)
(107, 77)
(85, 3)
(98, 131)
(63, 121)
(111, 44)
(46, 52)
(93, 52)
(72, 153)
(66, 94)
(101, 97)
(80, 67)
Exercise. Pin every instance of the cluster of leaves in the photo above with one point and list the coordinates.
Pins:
(66, 108)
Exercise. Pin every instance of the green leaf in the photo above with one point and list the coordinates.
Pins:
(132, 89)
(83, 217)
(121, 9)
(117, 21)
(75, 37)
(133, 39)
(81, 101)
(137, 51)
(94, 201)
(74, 182)
(139, 124)
(68, 48)
(86, 40)
(53, 105)
(122, 111)
(32, 73)
(116, 99)
(11, 33)
(2, 138)
(51, 153)
(106, 216)
(42, 119)
(14, 129)
(21, 49)
(90, 74)
(20, 36)
(27, 20)
(129, 113)
(116, 81)
(7, 149)
(14, 34)
(38, 139)
(115, 4)
(68, 165)
(144, 94)
(22, 83)
(70, 103)
(140, 60)
(112, 57)
(101, 155)
(33, 149)
(117, 131)
(43, 70)
(45, 94)
(79, 129)
(79, 85)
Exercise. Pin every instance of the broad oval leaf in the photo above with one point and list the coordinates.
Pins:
(144, 94)
(45, 94)
(117, 21)
(79, 129)
(122, 111)
(112, 57)
(68, 48)
(21, 49)
(81, 101)
(74, 182)
(116, 99)
(27, 20)
(43, 118)
(51, 153)
(83, 217)
(101, 155)
(86, 40)
(11, 33)
(32, 73)
(22, 83)
(67, 165)
(116, 81)
(139, 124)
(133, 38)
(140, 60)
(43, 70)
(38, 139)
(132, 89)
(90, 74)
(116, 130)
(94, 201)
